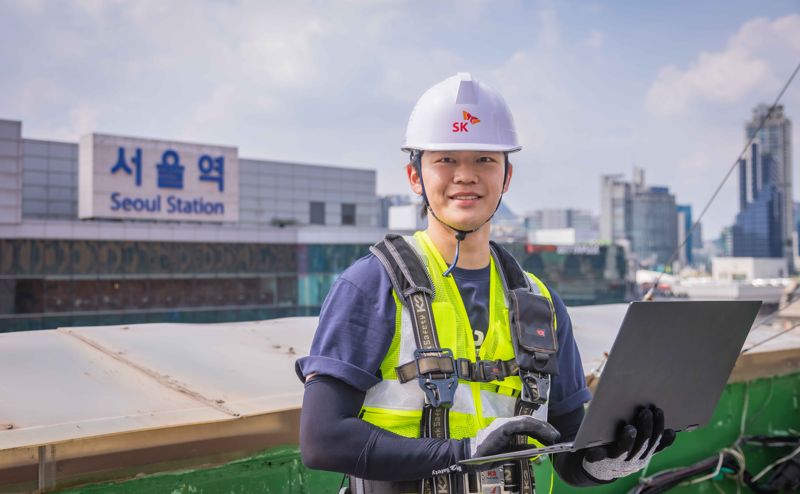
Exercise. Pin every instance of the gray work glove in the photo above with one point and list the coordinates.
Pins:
(637, 443)
(496, 438)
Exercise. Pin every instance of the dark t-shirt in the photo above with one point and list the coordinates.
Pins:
(473, 286)
(357, 323)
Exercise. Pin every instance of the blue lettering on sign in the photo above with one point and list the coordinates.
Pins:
(212, 170)
(137, 204)
(175, 205)
(122, 164)
(170, 171)
(194, 206)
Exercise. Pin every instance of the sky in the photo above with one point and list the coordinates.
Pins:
(595, 87)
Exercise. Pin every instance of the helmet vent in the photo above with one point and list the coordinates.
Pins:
(466, 92)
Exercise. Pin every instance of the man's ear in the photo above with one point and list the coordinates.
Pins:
(414, 178)
(508, 177)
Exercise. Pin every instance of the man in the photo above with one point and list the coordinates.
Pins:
(396, 400)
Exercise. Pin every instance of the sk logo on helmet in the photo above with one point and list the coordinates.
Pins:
(468, 119)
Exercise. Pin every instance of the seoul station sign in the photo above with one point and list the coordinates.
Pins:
(126, 177)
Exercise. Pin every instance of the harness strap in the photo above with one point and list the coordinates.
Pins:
(433, 365)
(481, 371)
(526, 481)
(412, 283)
(535, 384)
(513, 274)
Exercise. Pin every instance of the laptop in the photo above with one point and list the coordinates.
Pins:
(676, 355)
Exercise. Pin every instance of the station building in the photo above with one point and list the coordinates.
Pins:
(125, 230)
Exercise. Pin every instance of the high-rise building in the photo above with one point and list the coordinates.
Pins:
(765, 223)
(654, 237)
(724, 243)
(615, 208)
(644, 218)
(684, 238)
(697, 237)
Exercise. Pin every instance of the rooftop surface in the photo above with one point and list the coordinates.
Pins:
(73, 383)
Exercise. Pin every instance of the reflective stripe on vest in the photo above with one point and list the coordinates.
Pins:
(397, 407)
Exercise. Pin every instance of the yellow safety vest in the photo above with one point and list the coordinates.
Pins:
(397, 406)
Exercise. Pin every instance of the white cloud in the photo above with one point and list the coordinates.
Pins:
(400, 84)
(284, 54)
(39, 92)
(95, 8)
(595, 40)
(35, 6)
(334, 82)
(548, 29)
(754, 62)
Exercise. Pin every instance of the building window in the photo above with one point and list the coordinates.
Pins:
(317, 213)
(348, 214)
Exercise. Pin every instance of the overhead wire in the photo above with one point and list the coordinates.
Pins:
(734, 452)
(769, 338)
(650, 293)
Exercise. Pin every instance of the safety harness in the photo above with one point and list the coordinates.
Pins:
(532, 325)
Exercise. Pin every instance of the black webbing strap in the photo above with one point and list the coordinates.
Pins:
(411, 282)
(482, 371)
(512, 272)
(526, 483)
(435, 365)
(515, 278)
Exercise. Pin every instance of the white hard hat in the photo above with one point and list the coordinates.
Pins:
(461, 114)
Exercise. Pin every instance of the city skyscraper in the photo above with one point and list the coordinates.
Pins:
(654, 237)
(644, 218)
(615, 208)
(765, 222)
(684, 227)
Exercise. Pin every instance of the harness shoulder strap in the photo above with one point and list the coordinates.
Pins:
(532, 318)
(413, 285)
(513, 274)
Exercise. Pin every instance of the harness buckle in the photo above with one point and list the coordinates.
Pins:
(490, 370)
(439, 387)
(535, 387)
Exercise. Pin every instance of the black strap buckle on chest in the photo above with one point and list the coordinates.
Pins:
(439, 387)
(482, 371)
(487, 370)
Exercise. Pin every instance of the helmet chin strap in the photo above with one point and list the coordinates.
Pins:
(416, 159)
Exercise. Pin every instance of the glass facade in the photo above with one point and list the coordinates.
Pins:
(765, 224)
(51, 283)
(757, 231)
(59, 283)
(654, 236)
(616, 217)
(581, 274)
(684, 238)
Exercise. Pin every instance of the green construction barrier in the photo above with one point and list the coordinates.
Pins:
(761, 407)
